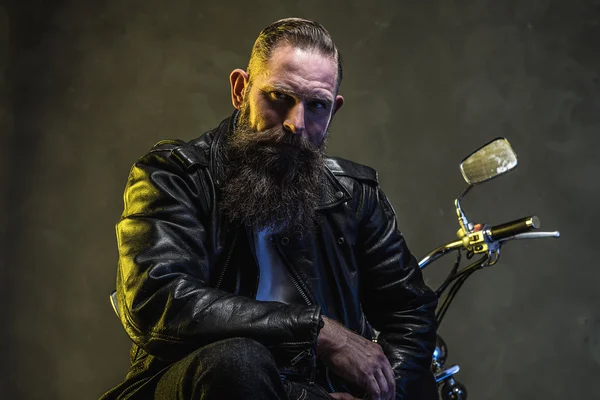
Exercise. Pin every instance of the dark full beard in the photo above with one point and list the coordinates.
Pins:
(273, 178)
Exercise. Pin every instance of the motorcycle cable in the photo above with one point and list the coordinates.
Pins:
(458, 279)
(452, 273)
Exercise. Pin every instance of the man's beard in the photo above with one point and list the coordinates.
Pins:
(273, 177)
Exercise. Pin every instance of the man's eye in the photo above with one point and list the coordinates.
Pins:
(279, 95)
(318, 105)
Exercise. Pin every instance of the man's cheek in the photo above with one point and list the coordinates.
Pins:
(268, 118)
(317, 134)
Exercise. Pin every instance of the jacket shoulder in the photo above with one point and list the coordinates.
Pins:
(342, 167)
(194, 153)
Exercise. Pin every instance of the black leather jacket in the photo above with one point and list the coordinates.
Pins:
(186, 279)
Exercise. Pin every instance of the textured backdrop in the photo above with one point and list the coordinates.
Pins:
(87, 87)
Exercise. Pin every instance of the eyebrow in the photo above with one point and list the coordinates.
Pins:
(307, 94)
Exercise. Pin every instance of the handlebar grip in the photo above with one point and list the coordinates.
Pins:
(515, 227)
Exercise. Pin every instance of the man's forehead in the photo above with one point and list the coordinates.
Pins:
(303, 91)
(293, 69)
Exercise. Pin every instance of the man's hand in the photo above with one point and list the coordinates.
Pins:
(357, 360)
(342, 396)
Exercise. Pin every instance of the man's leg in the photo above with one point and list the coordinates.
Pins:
(236, 368)
(304, 391)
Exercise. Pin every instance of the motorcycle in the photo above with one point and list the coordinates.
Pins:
(478, 240)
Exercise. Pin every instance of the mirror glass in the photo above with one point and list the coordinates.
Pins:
(494, 159)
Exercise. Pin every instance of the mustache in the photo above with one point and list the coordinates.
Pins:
(276, 149)
(276, 138)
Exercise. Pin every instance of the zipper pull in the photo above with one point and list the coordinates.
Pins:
(300, 356)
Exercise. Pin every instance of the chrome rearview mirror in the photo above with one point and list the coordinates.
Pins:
(489, 161)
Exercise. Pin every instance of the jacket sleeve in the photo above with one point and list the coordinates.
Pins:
(165, 302)
(395, 298)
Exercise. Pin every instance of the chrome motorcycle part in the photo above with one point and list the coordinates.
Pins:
(440, 353)
(453, 390)
(465, 227)
(446, 374)
(533, 235)
(440, 251)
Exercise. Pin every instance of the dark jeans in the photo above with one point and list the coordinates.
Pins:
(231, 369)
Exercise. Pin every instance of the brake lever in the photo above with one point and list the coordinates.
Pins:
(533, 235)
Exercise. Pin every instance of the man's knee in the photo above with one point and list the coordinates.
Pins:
(233, 358)
(230, 368)
(242, 355)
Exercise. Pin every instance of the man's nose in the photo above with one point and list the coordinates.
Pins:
(294, 121)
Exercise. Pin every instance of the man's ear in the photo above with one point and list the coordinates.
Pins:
(339, 102)
(239, 81)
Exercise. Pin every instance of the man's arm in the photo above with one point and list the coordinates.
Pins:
(166, 304)
(395, 298)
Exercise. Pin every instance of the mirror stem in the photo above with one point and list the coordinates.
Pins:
(462, 218)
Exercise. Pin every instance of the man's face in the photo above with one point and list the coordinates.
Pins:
(296, 90)
(274, 160)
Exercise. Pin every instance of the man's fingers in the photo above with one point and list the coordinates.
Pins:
(389, 376)
(372, 388)
(342, 396)
(384, 387)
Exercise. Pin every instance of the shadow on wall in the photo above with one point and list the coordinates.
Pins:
(29, 82)
(5, 132)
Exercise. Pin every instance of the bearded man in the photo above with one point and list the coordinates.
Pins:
(252, 266)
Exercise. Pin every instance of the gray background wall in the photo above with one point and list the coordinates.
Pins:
(87, 87)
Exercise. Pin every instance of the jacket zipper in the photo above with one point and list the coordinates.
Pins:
(290, 273)
(331, 388)
(227, 261)
(300, 356)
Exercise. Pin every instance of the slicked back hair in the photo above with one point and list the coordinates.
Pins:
(297, 32)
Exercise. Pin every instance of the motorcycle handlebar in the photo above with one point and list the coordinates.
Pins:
(513, 228)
